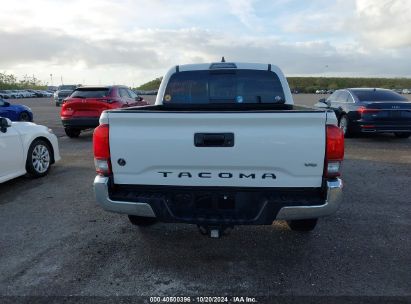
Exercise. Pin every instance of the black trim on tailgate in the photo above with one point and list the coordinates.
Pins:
(218, 108)
(217, 205)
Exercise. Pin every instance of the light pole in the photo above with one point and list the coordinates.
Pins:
(51, 79)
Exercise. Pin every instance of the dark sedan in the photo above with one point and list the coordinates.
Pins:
(365, 110)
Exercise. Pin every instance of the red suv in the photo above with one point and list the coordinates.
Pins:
(82, 109)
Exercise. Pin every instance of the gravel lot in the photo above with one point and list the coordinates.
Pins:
(55, 240)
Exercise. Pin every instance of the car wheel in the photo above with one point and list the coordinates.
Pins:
(24, 116)
(344, 125)
(302, 225)
(72, 133)
(402, 135)
(38, 158)
(142, 220)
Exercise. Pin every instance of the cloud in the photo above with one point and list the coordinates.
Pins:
(244, 11)
(36, 45)
(151, 52)
(133, 41)
(368, 23)
(383, 23)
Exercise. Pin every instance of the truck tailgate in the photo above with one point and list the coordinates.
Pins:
(269, 149)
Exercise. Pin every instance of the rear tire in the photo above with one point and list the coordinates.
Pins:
(344, 125)
(402, 135)
(39, 158)
(302, 225)
(24, 116)
(142, 220)
(72, 133)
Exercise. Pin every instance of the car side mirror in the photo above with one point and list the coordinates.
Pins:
(6, 104)
(323, 103)
(139, 98)
(4, 124)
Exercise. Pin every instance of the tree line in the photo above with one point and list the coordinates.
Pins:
(311, 84)
(10, 82)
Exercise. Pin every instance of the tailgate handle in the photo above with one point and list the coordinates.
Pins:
(214, 139)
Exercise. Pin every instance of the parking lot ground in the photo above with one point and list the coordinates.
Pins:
(55, 240)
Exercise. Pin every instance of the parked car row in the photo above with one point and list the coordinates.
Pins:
(324, 91)
(144, 92)
(29, 93)
(402, 91)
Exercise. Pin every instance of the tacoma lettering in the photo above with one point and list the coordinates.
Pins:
(219, 175)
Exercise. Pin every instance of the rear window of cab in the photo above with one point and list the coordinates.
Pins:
(225, 86)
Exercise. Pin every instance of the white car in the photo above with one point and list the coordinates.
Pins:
(46, 94)
(5, 94)
(26, 148)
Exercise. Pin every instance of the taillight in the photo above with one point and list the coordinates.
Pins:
(334, 153)
(66, 111)
(363, 110)
(101, 150)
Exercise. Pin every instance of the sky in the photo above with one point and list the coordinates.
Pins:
(101, 42)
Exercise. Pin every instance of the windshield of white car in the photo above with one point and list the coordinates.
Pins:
(229, 86)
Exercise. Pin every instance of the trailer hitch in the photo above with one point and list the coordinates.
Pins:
(214, 232)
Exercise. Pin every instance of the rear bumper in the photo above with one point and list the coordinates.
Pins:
(381, 127)
(101, 191)
(256, 208)
(80, 122)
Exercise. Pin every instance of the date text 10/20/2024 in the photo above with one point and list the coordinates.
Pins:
(203, 300)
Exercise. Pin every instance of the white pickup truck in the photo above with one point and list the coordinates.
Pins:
(222, 146)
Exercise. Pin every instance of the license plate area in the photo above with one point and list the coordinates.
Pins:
(87, 113)
(395, 114)
(216, 205)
